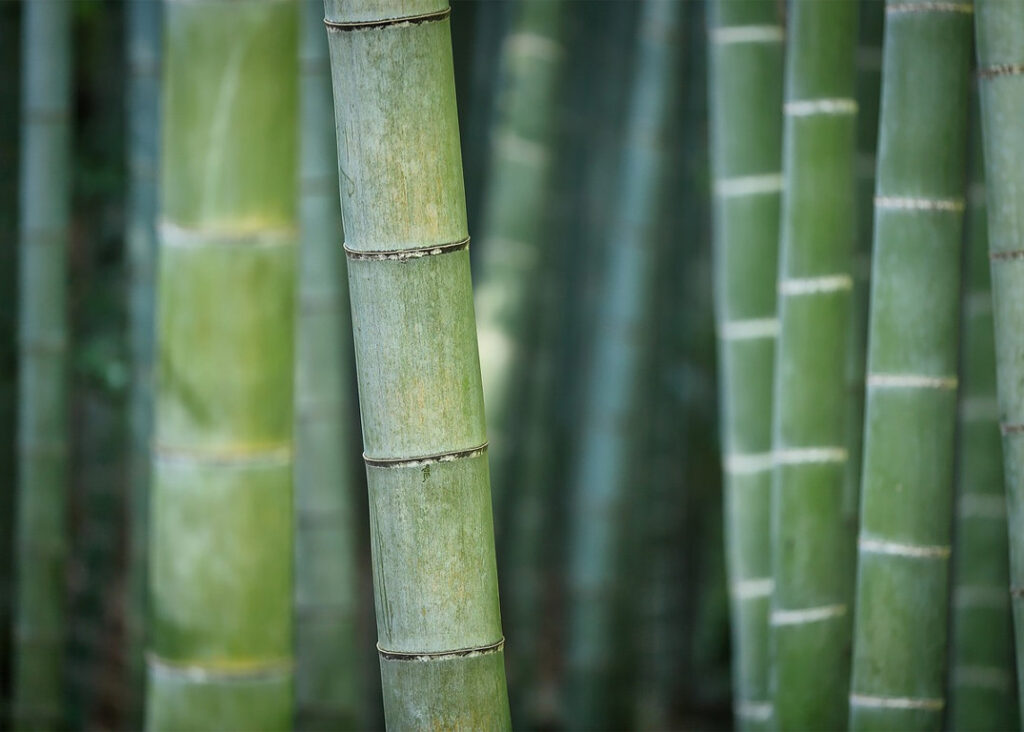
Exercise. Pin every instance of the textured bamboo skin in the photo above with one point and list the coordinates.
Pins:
(40, 549)
(746, 129)
(221, 504)
(420, 396)
(982, 692)
(1000, 43)
(516, 225)
(602, 471)
(327, 673)
(906, 500)
(143, 20)
(811, 552)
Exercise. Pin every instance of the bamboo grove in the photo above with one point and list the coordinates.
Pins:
(537, 364)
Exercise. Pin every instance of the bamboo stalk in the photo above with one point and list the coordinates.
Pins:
(906, 501)
(602, 471)
(1000, 43)
(40, 549)
(403, 200)
(327, 683)
(143, 22)
(982, 693)
(221, 507)
(746, 55)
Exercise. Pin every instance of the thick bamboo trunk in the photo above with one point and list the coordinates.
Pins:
(906, 500)
(40, 544)
(435, 577)
(746, 56)
(982, 692)
(1000, 43)
(603, 472)
(143, 23)
(221, 508)
(810, 615)
(328, 668)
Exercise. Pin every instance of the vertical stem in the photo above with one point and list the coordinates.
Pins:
(810, 616)
(39, 630)
(745, 43)
(1000, 43)
(221, 506)
(981, 674)
(900, 637)
(431, 528)
(326, 584)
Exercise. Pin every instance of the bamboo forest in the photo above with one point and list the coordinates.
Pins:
(511, 364)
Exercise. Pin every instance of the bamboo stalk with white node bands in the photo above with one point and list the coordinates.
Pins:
(810, 617)
(910, 411)
(221, 504)
(1000, 43)
(746, 44)
(403, 202)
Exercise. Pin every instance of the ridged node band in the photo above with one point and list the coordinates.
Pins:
(434, 655)
(270, 671)
(418, 462)
(385, 22)
(402, 255)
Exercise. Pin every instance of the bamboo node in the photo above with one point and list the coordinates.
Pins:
(404, 255)
(991, 72)
(807, 615)
(749, 185)
(385, 22)
(752, 588)
(749, 463)
(1006, 256)
(755, 328)
(815, 285)
(268, 671)
(897, 702)
(805, 455)
(760, 711)
(748, 34)
(928, 7)
(915, 203)
(812, 107)
(497, 647)
(424, 460)
(896, 549)
(911, 381)
(1009, 428)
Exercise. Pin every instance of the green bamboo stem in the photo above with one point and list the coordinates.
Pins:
(745, 42)
(982, 693)
(603, 472)
(221, 507)
(900, 638)
(1000, 43)
(40, 544)
(431, 529)
(810, 619)
(327, 682)
(516, 227)
(143, 87)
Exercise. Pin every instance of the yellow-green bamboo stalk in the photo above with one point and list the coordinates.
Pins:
(221, 505)
(403, 200)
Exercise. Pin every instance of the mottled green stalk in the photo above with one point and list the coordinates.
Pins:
(982, 693)
(403, 200)
(604, 470)
(221, 506)
(746, 54)
(1000, 43)
(517, 227)
(143, 87)
(810, 616)
(40, 544)
(326, 583)
(907, 484)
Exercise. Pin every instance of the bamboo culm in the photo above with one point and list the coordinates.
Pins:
(417, 365)
(900, 639)
(811, 553)
(328, 665)
(603, 470)
(1000, 43)
(746, 58)
(40, 545)
(982, 692)
(221, 503)
(143, 21)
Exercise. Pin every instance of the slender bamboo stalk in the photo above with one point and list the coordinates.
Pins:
(517, 221)
(143, 22)
(1000, 43)
(811, 553)
(431, 529)
(746, 54)
(326, 583)
(982, 693)
(221, 508)
(40, 549)
(603, 471)
(906, 501)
